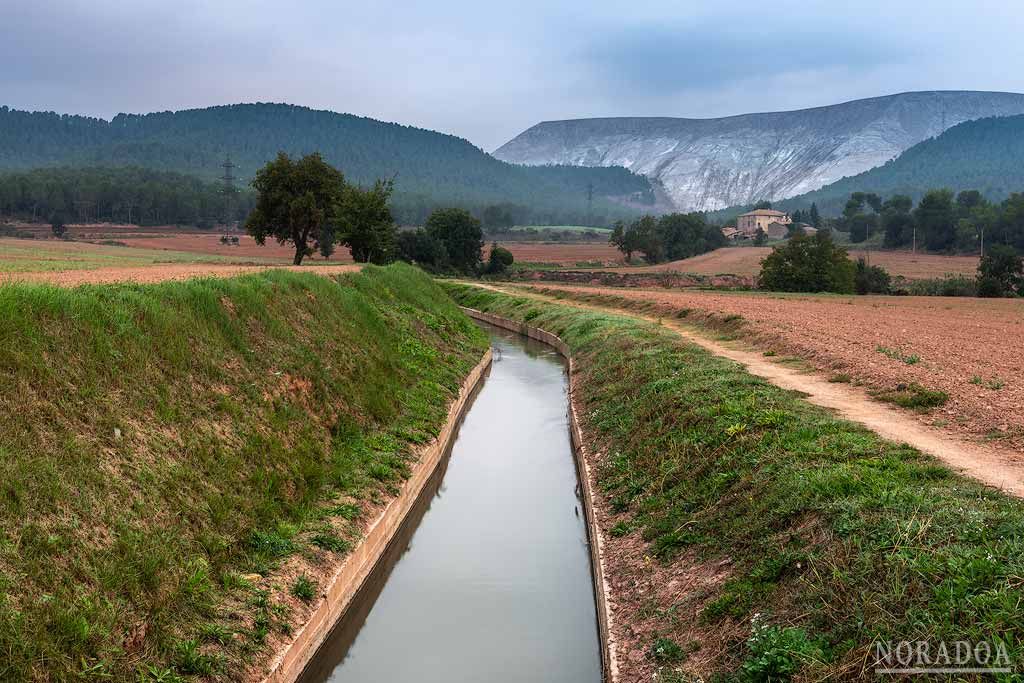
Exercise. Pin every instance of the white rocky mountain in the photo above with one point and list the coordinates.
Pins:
(707, 164)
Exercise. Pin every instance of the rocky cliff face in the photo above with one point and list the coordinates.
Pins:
(707, 164)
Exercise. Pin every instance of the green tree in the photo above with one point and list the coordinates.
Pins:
(763, 204)
(815, 217)
(1001, 272)
(808, 264)
(500, 260)
(461, 235)
(683, 235)
(623, 238)
(417, 246)
(936, 219)
(297, 202)
(369, 231)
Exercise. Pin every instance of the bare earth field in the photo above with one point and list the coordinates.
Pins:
(73, 263)
(746, 261)
(572, 254)
(969, 348)
(210, 244)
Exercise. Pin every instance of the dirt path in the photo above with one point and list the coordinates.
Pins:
(158, 273)
(1001, 469)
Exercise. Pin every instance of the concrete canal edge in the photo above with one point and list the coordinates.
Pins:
(347, 581)
(602, 595)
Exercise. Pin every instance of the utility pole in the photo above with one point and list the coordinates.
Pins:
(228, 189)
(983, 241)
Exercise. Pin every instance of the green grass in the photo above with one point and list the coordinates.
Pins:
(159, 443)
(913, 396)
(834, 536)
(896, 354)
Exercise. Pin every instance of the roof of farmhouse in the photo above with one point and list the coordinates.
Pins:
(764, 212)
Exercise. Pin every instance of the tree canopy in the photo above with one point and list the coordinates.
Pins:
(298, 202)
(672, 236)
(808, 264)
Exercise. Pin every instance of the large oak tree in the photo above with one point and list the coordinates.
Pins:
(299, 202)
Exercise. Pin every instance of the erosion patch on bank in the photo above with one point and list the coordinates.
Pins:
(753, 536)
(164, 448)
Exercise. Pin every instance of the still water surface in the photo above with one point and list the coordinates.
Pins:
(494, 583)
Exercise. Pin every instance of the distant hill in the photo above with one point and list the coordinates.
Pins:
(985, 155)
(431, 168)
(709, 164)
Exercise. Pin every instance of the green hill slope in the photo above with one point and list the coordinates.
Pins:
(980, 155)
(431, 168)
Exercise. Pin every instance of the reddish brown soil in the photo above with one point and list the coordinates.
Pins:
(563, 254)
(747, 261)
(205, 243)
(159, 273)
(968, 348)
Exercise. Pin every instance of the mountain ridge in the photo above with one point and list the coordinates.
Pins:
(982, 155)
(431, 169)
(713, 163)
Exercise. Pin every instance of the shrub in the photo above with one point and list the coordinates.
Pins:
(950, 285)
(871, 279)
(808, 264)
(500, 259)
(1001, 272)
(913, 395)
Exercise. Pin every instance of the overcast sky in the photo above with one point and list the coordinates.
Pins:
(486, 71)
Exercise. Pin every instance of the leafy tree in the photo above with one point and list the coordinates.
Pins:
(297, 202)
(763, 204)
(1001, 272)
(417, 246)
(761, 238)
(625, 239)
(936, 219)
(366, 219)
(808, 264)
(461, 235)
(685, 235)
(815, 217)
(862, 226)
(648, 242)
(500, 259)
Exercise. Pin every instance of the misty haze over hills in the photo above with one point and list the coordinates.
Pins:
(708, 164)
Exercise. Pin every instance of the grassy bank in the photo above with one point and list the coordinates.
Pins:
(804, 539)
(164, 447)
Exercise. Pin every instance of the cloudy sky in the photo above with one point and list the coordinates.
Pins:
(486, 71)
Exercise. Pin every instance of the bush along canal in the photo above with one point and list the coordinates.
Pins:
(490, 579)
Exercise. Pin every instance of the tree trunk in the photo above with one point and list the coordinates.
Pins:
(299, 253)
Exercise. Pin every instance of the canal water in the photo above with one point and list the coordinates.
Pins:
(491, 581)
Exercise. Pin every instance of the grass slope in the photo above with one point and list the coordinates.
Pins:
(835, 538)
(159, 443)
